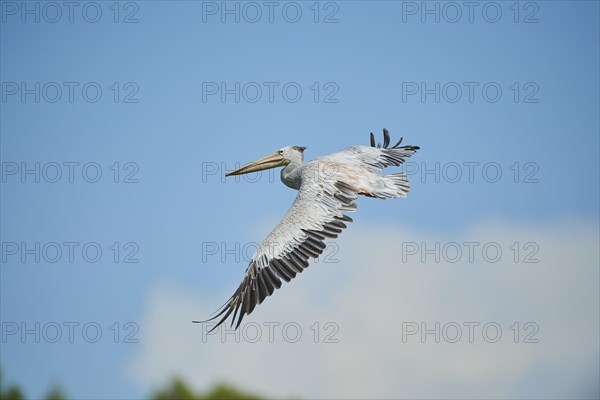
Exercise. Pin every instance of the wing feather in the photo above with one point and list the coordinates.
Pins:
(375, 157)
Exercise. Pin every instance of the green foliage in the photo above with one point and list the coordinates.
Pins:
(56, 393)
(10, 393)
(176, 390)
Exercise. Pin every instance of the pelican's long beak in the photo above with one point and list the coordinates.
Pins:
(270, 161)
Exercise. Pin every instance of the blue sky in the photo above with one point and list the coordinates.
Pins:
(172, 141)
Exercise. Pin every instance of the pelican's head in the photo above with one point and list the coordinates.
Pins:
(282, 157)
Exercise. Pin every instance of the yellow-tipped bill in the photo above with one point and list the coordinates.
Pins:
(270, 161)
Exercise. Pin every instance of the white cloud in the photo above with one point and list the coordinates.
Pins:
(371, 292)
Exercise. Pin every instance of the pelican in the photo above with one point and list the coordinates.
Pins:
(327, 186)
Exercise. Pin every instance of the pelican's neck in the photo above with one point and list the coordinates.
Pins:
(291, 175)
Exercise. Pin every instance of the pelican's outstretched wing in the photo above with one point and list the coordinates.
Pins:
(315, 215)
(376, 157)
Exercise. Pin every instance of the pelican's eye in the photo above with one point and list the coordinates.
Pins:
(280, 151)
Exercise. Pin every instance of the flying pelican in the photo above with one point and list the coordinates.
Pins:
(326, 186)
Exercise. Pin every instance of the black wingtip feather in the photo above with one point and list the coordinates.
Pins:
(386, 138)
(242, 313)
(227, 308)
(397, 144)
(386, 142)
